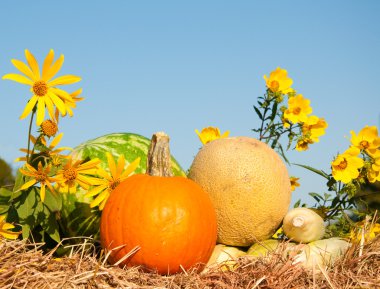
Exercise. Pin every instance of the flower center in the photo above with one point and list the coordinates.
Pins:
(49, 127)
(41, 177)
(70, 174)
(274, 85)
(343, 164)
(114, 184)
(40, 88)
(297, 110)
(364, 144)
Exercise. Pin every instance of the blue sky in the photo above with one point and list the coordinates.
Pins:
(176, 66)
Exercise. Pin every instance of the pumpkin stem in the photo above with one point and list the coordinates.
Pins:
(159, 159)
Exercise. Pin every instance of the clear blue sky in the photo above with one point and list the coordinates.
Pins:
(148, 66)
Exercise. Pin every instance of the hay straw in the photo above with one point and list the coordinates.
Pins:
(25, 265)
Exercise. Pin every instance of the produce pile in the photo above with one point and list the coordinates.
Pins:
(118, 211)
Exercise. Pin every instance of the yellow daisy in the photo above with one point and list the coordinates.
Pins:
(41, 176)
(294, 183)
(303, 143)
(49, 127)
(49, 151)
(109, 181)
(345, 167)
(70, 104)
(373, 173)
(314, 127)
(5, 229)
(76, 173)
(367, 139)
(279, 81)
(366, 231)
(43, 87)
(298, 109)
(210, 133)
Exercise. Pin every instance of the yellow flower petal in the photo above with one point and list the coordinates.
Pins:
(225, 134)
(65, 79)
(40, 110)
(29, 107)
(42, 192)
(47, 63)
(54, 68)
(33, 64)
(96, 191)
(56, 141)
(120, 166)
(131, 168)
(102, 196)
(89, 164)
(104, 174)
(58, 102)
(7, 226)
(18, 78)
(111, 164)
(61, 94)
(10, 235)
(28, 184)
(23, 68)
(84, 180)
(50, 107)
(77, 92)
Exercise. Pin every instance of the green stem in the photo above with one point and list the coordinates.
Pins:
(29, 134)
(261, 134)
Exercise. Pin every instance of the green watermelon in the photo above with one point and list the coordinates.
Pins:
(77, 218)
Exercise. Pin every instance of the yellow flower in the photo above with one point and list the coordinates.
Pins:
(279, 81)
(5, 229)
(314, 127)
(368, 232)
(76, 173)
(345, 166)
(303, 143)
(298, 109)
(49, 128)
(47, 152)
(43, 87)
(210, 133)
(41, 176)
(367, 139)
(109, 181)
(373, 173)
(294, 183)
(70, 104)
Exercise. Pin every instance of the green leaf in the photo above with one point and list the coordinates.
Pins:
(282, 153)
(5, 196)
(27, 204)
(258, 112)
(274, 111)
(319, 172)
(50, 226)
(297, 204)
(25, 231)
(53, 201)
(19, 181)
(316, 196)
(335, 201)
(29, 209)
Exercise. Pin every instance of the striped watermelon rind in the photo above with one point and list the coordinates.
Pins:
(77, 218)
(131, 145)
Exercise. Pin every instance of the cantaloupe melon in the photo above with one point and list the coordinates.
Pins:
(248, 184)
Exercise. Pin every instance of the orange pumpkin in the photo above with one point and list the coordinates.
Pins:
(162, 223)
